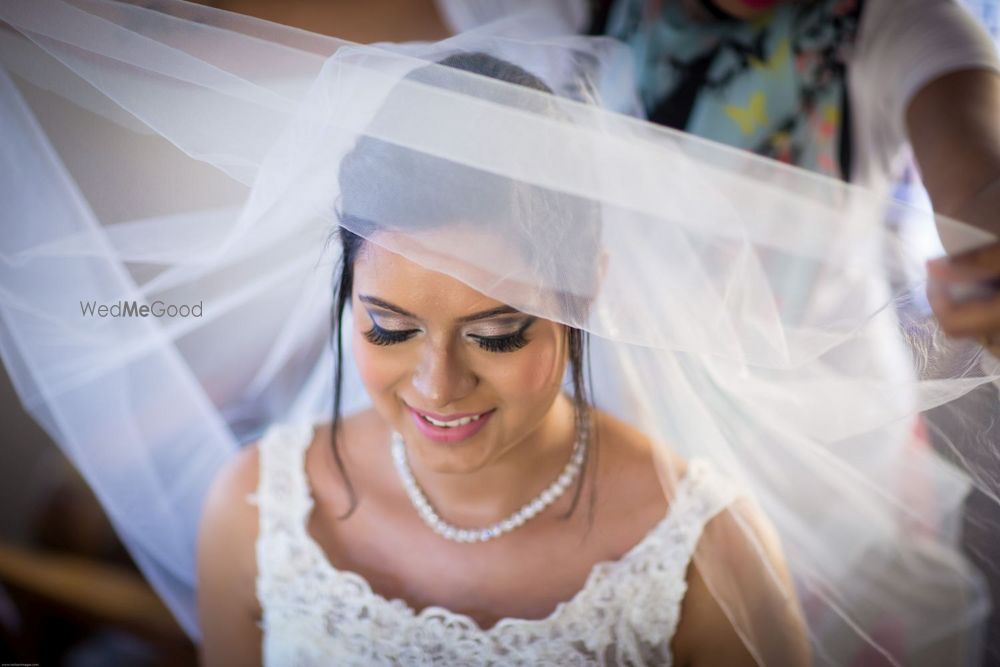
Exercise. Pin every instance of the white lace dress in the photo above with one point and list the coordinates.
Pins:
(314, 614)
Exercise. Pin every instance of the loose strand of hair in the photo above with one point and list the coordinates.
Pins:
(337, 318)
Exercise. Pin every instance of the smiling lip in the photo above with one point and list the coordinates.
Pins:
(446, 434)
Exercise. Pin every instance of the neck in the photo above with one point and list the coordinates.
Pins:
(498, 489)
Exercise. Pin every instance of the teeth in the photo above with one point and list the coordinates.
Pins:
(451, 424)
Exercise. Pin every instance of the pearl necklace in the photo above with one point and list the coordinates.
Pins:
(517, 519)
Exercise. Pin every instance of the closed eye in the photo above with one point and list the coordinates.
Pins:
(379, 336)
(506, 343)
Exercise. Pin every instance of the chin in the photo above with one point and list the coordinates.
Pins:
(449, 458)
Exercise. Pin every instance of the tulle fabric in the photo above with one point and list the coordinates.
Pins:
(739, 310)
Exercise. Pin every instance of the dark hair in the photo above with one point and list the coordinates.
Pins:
(374, 168)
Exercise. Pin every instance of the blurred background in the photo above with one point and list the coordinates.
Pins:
(69, 592)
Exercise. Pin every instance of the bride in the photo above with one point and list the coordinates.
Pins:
(584, 389)
(507, 520)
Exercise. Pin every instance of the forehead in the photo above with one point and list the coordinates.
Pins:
(382, 273)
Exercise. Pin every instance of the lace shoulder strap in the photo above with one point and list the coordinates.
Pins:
(282, 470)
(661, 560)
(704, 493)
(283, 503)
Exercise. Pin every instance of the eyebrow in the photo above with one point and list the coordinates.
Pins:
(482, 315)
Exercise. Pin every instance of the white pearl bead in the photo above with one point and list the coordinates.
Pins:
(529, 510)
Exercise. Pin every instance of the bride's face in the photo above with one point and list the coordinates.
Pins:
(463, 378)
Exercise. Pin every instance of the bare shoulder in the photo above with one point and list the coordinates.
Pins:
(631, 497)
(367, 464)
(228, 518)
(228, 609)
(739, 551)
(632, 460)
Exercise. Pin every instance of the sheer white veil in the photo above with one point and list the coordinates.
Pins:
(739, 310)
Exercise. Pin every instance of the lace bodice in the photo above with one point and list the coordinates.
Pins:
(314, 614)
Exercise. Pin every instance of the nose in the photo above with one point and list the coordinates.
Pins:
(442, 377)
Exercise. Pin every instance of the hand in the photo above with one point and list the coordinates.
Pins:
(964, 293)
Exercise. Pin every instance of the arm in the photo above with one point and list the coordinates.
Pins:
(954, 127)
(227, 604)
(953, 123)
(743, 553)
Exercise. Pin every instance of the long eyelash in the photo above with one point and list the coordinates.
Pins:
(509, 343)
(379, 336)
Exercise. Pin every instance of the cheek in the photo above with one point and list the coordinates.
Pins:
(535, 371)
(380, 367)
